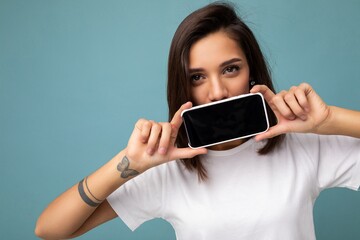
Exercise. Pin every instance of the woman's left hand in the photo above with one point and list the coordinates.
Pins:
(300, 109)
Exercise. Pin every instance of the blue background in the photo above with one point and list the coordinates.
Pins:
(76, 75)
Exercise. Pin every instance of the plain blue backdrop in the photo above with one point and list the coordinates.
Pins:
(76, 75)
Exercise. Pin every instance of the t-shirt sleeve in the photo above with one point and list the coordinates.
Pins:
(336, 160)
(139, 199)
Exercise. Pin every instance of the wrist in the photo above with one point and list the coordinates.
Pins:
(128, 168)
(341, 121)
(327, 126)
(107, 179)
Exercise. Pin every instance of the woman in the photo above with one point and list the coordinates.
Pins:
(259, 188)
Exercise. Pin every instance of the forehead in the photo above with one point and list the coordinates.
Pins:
(213, 49)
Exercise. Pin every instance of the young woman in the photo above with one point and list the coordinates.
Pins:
(259, 188)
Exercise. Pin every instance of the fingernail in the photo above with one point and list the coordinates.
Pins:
(303, 117)
(162, 150)
(150, 151)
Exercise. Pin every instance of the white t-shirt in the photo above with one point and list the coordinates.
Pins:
(247, 195)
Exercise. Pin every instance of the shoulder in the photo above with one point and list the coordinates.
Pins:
(310, 140)
(317, 147)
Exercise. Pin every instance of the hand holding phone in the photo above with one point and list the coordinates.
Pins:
(226, 120)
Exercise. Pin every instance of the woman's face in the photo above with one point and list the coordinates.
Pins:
(218, 69)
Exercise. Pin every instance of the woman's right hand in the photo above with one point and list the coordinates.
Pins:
(153, 143)
(150, 144)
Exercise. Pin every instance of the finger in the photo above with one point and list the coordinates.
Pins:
(302, 93)
(268, 96)
(176, 121)
(153, 138)
(281, 106)
(165, 138)
(292, 101)
(265, 91)
(142, 127)
(306, 88)
(302, 100)
(183, 153)
(272, 132)
(145, 129)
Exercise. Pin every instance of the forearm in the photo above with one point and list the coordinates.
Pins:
(342, 122)
(150, 145)
(67, 213)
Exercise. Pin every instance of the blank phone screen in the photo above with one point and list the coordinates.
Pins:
(229, 120)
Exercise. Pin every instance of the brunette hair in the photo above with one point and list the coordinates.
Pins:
(209, 19)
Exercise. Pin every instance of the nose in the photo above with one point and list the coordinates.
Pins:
(218, 90)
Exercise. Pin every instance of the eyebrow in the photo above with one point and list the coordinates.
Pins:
(233, 60)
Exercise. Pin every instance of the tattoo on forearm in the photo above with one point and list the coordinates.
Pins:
(85, 197)
(123, 168)
(87, 187)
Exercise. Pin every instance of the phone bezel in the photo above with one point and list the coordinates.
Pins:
(222, 101)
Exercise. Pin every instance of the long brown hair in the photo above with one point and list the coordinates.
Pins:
(209, 19)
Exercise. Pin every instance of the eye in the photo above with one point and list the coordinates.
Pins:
(196, 77)
(231, 69)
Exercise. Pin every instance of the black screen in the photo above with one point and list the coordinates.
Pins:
(228, 120)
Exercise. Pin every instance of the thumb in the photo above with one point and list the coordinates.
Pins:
(181, 153)
(272, 132)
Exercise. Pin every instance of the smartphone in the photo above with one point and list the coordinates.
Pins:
(226, 120)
